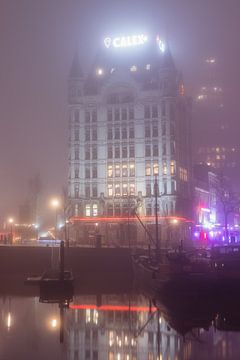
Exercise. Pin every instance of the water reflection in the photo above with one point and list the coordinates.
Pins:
(121, 327)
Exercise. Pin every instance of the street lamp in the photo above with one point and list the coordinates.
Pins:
(55, 203)
(10, 220)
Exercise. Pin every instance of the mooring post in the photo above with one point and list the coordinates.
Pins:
(62, 260)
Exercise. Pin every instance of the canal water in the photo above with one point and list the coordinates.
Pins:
(113, 325)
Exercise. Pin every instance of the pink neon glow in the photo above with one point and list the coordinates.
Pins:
(112, 308)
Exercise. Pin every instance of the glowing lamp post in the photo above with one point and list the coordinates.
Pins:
(10, 221)
(55, 203)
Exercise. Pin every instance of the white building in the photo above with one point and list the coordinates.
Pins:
(129, 126)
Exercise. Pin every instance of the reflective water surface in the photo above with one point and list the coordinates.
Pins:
(112, 325)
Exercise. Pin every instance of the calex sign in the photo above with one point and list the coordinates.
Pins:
(125, 41)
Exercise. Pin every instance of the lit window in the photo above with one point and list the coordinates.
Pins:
(95, 210)
(132, 189)
(133, 68)
(111, 338)
(110, 190)
(148, 67)
(117, 170)
(148, 169)
(164, 168)
(117, 190)
(132, 169)
(124, 170)
(88, 210)
(88, 315)
(125, 189)
(110, 171)
(155, 169)
(172, 166)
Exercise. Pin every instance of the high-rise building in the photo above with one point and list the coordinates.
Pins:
(129, 128)
(214, 140)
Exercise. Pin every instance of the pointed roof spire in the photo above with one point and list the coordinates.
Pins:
(76, 70)
(167, 60)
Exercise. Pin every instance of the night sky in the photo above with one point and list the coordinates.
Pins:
(38, 40)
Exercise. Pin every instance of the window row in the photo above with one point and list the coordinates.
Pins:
(153, 149)
(120, 113)
(90, 153)
(91, 133)
(91, 210)
(117, 151)
(121, 189)
(118, 209)
(183, 174)
(162, 190)
(120, 133)
(119, 170)
(166, 208)
(91, 190)
(91, 170)
(153, 169)
(152, 130)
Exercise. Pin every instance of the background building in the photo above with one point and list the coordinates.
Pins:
(129, 128)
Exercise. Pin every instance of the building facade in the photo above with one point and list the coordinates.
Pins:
(129, 128)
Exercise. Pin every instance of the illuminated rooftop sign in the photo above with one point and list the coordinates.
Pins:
(125, 41)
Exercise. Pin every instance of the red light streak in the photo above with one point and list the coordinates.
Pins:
(112, 308)
(126, 218)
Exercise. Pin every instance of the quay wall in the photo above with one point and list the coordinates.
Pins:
(34, 260)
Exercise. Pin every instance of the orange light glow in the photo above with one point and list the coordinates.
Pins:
(112, 308)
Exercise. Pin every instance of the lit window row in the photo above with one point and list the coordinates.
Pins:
(92, 316)
(153, 169)
(123, 189)
(119, 170)
(91, 210)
